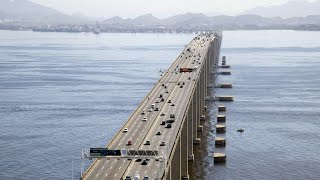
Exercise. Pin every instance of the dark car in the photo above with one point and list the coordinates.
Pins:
(147, 143)
(144, 162)
(163, 123)
(138, 160)
(168, 126)
(163, 144)
(172, 104)
(170, 121)
(158, 133)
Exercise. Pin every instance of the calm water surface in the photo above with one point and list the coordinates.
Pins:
(62, 92)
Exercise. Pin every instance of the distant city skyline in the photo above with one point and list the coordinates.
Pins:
(160, 9)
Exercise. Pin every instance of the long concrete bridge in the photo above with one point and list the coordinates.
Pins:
(168, 119)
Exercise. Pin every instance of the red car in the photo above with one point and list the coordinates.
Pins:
(129, 143)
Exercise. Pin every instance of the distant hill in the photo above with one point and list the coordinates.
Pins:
(29, 11)
(178, 19)
(297, 8)
(192, 20)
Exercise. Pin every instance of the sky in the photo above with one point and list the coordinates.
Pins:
(158, 8)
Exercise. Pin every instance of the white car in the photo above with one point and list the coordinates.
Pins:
(125, 130)
(144, 119)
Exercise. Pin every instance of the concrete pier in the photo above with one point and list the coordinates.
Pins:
(225, 98)
(219, 157)
(222, 108)
(225, 85)
(221, 118)
(220, 141)
(220, 128)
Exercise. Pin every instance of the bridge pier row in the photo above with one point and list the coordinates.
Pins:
(195, 115)
(201, 105)
(190, 133)
(175, 165)
(184, 147)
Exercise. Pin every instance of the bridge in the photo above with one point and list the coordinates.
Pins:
(167, 121)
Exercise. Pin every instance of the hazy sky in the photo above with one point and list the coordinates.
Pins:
(159, 8)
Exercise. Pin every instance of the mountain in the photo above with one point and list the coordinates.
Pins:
(29, 11)
(191, 20)
(184, 18)
(146, 19)
(297, 8)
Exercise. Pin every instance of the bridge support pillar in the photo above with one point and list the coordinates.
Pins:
(195, 114)
(176, 161)
(168, 176)
(184, 150)
(189, 121)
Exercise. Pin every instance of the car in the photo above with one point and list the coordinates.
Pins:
(150, 110)
(156, 109)
(129, 143)
(189, 78)
(167, 92)
(168, 125)
(136, 177)
(170, 121)
(144, 119)
(146, 178)
(160, 96)
(163, 114)
(162, 99)
(183, 83)
(169, 101)
(163, 123)
(138, 160)
(178, 83)
(153, 105)
(157, 101)
(158, 133)
(147, 142)
(142, 113)
(172, 116)
(172, 104)
(160, 158)
(162, 143)
(162, 85)
(125, 130)
(181, 86)
(128, 178)
(165, 87)
(144, 162)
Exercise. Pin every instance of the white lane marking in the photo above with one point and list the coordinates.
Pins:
(102, 167)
